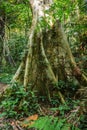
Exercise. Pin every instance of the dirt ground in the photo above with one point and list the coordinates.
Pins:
(3, 87)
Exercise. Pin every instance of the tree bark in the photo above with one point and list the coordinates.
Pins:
(2, 31)
(4, 48)
(41, 65)
(65, 45)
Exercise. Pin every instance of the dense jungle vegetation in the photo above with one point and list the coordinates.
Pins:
(43, 64)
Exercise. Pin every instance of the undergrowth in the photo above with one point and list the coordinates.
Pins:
(53, 123)
(18, 103)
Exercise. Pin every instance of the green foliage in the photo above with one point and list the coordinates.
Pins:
(52, 123)
(5, 77)
(18, 103)
(70, 85)
(17, 44)
(16, 13)
(61, 84)
(83, 124)
(54, 101)
(62, 9)
(63, 109)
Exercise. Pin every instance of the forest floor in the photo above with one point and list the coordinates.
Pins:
(14, 124)
(3, 87)
(7, 124)
(43, 111)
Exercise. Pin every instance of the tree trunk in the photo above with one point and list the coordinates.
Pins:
(5, 56)
(2, 32)
(46, 59)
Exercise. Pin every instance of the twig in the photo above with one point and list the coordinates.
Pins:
(19, 127)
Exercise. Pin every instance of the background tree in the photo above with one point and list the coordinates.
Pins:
(2, 30)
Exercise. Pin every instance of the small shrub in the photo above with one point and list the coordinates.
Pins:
(18, 103)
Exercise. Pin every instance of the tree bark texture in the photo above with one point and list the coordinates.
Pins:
(51, 61)
(2, 32)
(48, 59)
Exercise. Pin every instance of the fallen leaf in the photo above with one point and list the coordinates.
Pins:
(29, 121)
(32, 118)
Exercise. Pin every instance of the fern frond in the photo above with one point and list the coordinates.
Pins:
(52, 123)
